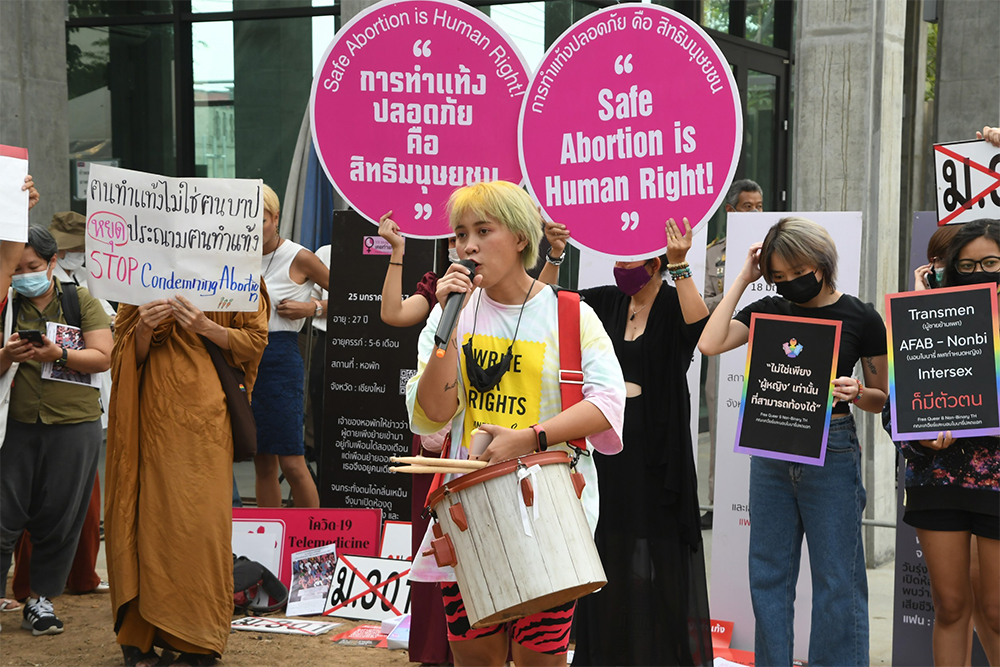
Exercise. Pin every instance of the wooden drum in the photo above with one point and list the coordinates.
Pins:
(483, 521)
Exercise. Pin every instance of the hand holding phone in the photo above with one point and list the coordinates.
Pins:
(34, 337)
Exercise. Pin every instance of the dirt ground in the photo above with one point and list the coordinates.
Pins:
(89, 641)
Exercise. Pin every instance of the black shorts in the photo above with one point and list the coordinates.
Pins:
(983, 525)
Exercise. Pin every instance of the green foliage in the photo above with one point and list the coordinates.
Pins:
(930, 80)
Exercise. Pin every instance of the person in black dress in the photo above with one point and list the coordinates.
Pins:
(654, 609)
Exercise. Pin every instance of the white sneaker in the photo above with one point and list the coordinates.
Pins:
(40, 618)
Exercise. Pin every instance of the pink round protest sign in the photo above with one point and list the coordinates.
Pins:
(415, 98)
(632, 118)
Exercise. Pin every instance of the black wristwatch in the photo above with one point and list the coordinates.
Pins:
(555, 261)
(62, 360)
(540, 438)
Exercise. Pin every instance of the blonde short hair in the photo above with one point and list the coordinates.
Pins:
(271, 202)
(508, 205)
(797, 240)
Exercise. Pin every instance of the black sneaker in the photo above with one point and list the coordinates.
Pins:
(706, 521)
(40, 618)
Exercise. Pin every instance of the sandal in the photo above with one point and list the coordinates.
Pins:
(136, 658)
(7, 604)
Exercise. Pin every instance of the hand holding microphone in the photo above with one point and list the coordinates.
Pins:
(452, 290)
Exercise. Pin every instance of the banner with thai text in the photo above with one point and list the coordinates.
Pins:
(154, 237)
(633, 117)
(967, 176)
(944, 370)
(430, 91)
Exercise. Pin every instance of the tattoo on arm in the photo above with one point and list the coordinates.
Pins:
(871, 365)
(449, 387)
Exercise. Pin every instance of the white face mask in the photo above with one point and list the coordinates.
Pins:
(71, 262)
(453, 255)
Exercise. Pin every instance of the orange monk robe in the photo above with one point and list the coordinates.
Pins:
(169, 477)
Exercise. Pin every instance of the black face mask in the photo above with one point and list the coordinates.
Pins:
(485, 379)
(977, 278)
(800, 290)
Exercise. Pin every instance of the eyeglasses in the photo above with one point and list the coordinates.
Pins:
(987, 264)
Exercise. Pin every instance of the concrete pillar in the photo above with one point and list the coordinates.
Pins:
(847, 125)
(968, 79)
(33, 100)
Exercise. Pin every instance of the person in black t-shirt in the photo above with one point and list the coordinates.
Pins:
(789, 500)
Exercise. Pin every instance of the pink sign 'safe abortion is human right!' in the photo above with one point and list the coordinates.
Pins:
(633, 117)
(413, 99)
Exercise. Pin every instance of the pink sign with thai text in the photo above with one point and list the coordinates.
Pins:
(270, 535)
(632, 118)
(415, 98)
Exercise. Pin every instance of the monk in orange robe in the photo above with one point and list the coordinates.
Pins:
(168, 516)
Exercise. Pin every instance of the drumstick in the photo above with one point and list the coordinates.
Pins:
(416, 470)
(444, 463)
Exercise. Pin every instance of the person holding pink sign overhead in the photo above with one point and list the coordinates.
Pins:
(649, 534)
(791, 500)
(290, 271)
(953, 490)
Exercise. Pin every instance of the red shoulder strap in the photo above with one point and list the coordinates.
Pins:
(570, 355)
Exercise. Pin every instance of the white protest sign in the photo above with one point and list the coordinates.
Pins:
(282, 626)
(396, 540)
(730, 586)
(153, 237)
(370, 589)
(967, 175)
(13, 200)
(83, 175)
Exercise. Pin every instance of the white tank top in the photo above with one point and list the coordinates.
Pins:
(274, 268)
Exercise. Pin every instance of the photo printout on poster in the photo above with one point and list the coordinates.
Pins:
(943, 363)
(154, 237)
(13, 200)
(633, 117)
(967, 177)
(788, 390)
(430, 90)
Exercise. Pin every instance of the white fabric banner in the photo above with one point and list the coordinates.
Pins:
(153, 237)
(13, 200)
(730, 587)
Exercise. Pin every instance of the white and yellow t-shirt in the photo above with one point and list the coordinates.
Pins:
(529, 392)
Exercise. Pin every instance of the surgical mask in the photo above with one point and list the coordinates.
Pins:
(977, 278)
(800, 290)
(485, 379)
(453, 255)
(71, 262)
(31, 284)
(630, 281)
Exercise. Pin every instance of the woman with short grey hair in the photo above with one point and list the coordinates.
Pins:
(791, 500)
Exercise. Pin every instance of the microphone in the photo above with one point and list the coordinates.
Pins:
(449, 318)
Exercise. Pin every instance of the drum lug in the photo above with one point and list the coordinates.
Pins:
(442, 549)
(458, 516)
(578, 483)
(527, 492)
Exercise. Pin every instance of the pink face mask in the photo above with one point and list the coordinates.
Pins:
(630, 281)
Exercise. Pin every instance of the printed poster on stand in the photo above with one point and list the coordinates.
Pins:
(633, 117)
(944, 370)
(788, 388)
(431, 90)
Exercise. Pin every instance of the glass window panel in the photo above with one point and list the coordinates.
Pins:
(525, 24)
(760, 133)
(323, 30)
(121, 103)
(90, 8)
(214, 122)
(715, 15)
(760, 21)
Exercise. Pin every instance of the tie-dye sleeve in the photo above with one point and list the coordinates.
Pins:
(603, 383)
(420, 424)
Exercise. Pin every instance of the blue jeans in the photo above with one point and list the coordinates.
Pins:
(787, 501)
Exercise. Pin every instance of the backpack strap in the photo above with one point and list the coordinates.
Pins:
(71, 304)
(570, 355)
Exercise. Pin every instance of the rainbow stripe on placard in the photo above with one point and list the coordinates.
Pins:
(995, 320)
(766, 453)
